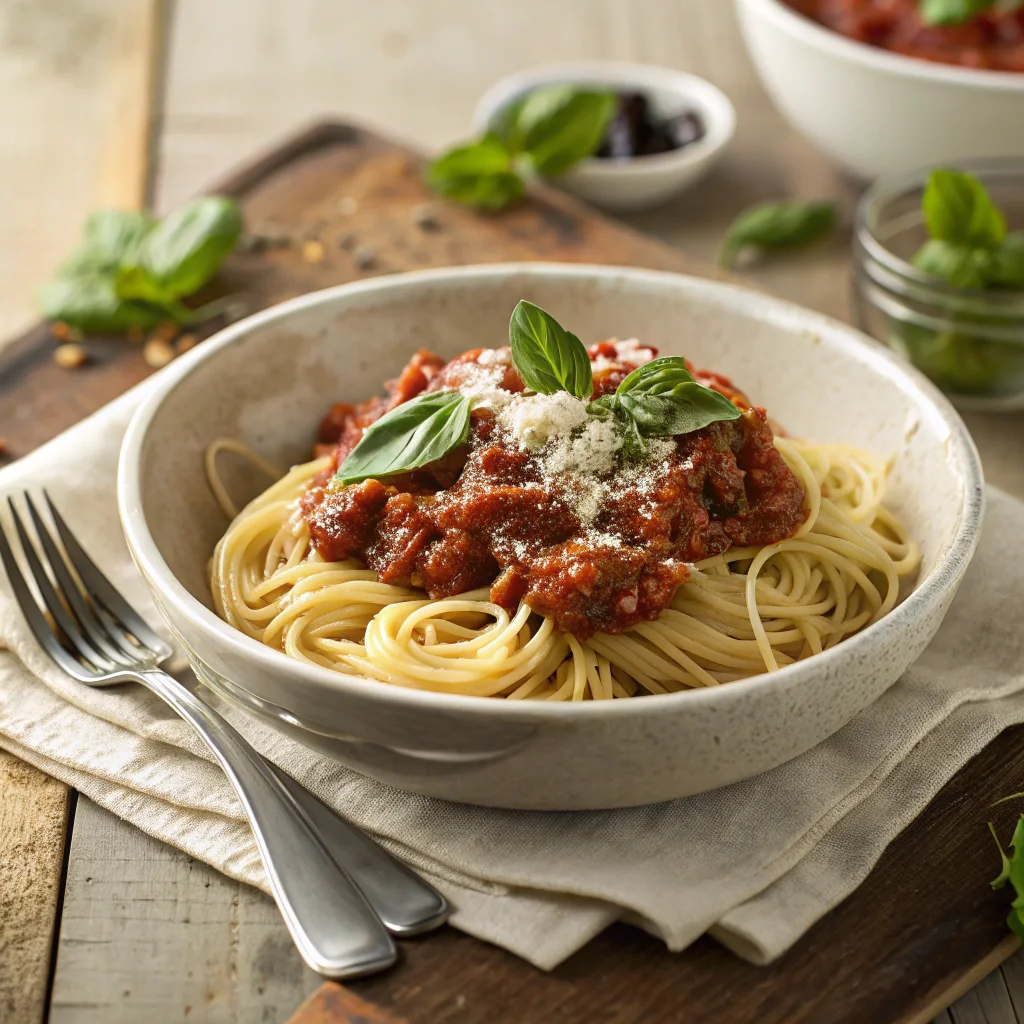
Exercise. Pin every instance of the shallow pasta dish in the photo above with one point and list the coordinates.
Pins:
(544, 521)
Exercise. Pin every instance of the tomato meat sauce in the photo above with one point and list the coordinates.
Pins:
(991, 40)
(597, 553)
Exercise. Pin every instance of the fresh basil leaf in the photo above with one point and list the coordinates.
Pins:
(780, 225)
(1007, 266)
(952, 12)
(411, 435)
(658, 377)
(634, 447)
(478, 174)
(603, 407)
(958, 265)
(547, 356)
(91, 302)
(187, 247)
(958, 209)
(561, 125)
(664, 399)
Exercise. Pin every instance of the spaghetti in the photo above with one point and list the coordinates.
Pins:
(742, 612)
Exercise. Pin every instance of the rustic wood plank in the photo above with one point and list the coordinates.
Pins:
(75, 85)
(333, 1004)
(987, 1003)
(33, 816)
(149, 934)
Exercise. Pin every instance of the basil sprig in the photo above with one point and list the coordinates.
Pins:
(547, 356)
(134, 271)
(664, 399)
(956, 12)
(547, 132)
(658, 399)
(782, 225)
(969, 244)
(411, 435)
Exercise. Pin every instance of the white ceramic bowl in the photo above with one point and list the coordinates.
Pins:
(268, 379)
(877, 112)
(641, 182)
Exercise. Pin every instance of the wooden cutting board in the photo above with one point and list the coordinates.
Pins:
(921, 930)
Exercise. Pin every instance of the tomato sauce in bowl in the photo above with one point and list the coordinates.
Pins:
(990, 41)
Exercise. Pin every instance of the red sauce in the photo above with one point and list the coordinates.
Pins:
(489, 515)
(990, 40)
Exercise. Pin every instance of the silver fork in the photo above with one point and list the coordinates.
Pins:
(340, 894)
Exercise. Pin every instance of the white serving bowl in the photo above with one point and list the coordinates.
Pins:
(877, 112)
(639, 182)
(267, 380)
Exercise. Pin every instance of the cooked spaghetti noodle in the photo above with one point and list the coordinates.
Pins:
(746, 611)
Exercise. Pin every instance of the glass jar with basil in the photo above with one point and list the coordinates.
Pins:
(939, 277)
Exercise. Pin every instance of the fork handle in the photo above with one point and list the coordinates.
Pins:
(332, 924)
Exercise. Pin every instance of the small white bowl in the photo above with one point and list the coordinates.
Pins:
(637, 183)
(877, 112)
(267, 380)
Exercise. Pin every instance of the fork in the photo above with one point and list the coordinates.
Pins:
(340, 894)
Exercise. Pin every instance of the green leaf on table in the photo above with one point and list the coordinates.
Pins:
(478, 174)
(663, 399)
(952, 12)
(561, 125)
(185, 250)
(958, 209)
(408, 437)
(91, 302)
(1012, 872)
(111, 239)
(779, 225)
(547, 356)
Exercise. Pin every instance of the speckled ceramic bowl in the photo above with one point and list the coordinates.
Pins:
(268, 379)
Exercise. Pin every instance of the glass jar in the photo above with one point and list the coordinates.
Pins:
(970, 343)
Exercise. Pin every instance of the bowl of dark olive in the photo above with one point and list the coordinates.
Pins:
(939, 277)
(667, 131)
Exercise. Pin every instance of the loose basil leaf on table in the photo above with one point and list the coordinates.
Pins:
(185, 250)
(478, 174)
(411, 435)
(547, 356)
(91, 302)
(111, 239)
(777, 226)
(560, 125)
(958, 209)
(664, 399)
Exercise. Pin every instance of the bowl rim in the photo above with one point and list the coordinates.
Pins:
(716, 108)
(169, 590)
(819, 36)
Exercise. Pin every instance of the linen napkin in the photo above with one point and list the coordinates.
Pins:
(756, 863)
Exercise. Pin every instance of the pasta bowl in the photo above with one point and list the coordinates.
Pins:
(267, 380)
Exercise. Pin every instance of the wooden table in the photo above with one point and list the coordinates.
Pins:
(145, 933)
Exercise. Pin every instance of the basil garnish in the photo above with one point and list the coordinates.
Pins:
(547, 356)
(784, 225)
(664, 399)
(547, 131)
(956, 12)
(969, 245)
(659, 399)
(411, 435)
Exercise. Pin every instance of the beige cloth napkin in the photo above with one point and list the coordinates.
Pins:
(757, 863)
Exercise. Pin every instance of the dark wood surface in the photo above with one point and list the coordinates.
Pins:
(921, 929)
